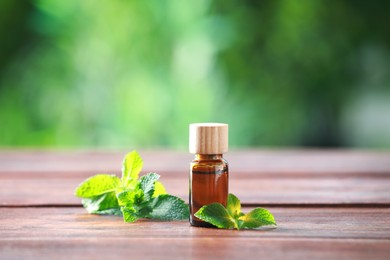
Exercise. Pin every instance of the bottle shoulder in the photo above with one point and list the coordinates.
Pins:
(220, 161)
(210, 166)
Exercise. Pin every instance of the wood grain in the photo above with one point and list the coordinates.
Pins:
(264, 162)
(195, 248)
(40, 217)
(298, 222)
(59, 190)
(257, 177)
(321, 233)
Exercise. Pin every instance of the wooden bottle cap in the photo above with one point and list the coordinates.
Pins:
(208, 138)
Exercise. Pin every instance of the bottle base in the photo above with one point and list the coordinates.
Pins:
(197, 223)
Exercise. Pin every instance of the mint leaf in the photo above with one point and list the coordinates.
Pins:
(113, 211)
(129, 214)
(159, 189)
(129, 196)
(97, 185)
(139, 203)
(217, 215)
(132, 165)
(168, 207)
(134, 204)
(102, 204)
(233, 206)
(146, 183)
(232, 217)
(257, 218)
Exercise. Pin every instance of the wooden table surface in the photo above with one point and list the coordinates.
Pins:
(329, 204)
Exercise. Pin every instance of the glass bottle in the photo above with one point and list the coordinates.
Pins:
(209, 178)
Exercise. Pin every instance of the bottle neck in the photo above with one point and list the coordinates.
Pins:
(201, 157)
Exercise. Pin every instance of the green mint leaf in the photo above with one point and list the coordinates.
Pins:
(138, 203)
(144, 209)
(102, 204)
(168, 207)
(97, 185)
(232, 217)
(217, 215)
(125, 198)
(113, 211)
(132, 165)
(159, 189)
(130, 198)
(233, 206)
(129, 214)
(146, 183)
(257, 218)
(133, 204)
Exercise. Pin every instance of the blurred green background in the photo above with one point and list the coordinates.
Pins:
(136, 73)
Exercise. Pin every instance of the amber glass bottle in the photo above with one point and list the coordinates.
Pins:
(209, 180)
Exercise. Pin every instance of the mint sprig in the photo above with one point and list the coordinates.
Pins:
(130, 196)
(231, 217)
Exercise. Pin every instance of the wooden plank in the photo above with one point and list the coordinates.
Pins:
(320, 233)
(312, 191)
(256, 177)
(194, 248)
(298, 222)
(295, 191)
(306, 161)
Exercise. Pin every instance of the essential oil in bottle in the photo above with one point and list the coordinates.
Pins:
(209, 180)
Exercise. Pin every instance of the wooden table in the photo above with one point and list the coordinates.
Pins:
(328, 204)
